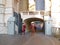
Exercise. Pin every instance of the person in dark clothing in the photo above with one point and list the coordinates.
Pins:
(18, 21)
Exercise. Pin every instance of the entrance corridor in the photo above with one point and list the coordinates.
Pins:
(28, 39)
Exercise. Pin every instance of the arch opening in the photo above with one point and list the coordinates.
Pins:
(29, 20)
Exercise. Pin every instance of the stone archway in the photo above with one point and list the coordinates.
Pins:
(29, 20)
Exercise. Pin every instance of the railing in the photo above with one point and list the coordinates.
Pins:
(56, 31)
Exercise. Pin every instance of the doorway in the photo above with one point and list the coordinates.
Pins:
(37, 22)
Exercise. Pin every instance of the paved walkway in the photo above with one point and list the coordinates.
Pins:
(28, 39)
(42, 40)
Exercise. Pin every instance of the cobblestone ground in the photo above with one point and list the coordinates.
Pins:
(28, 39)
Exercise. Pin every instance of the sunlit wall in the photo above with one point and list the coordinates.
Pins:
(54, 7)
(55, 12)
(31, 5)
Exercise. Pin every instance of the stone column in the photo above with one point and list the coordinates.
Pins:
(47, 18)
(8, 10)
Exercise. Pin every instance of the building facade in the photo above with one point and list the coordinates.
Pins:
(8, 7)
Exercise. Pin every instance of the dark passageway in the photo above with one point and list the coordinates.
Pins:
(29, 20)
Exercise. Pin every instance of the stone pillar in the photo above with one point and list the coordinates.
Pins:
(5, 13)
(2, 17)
(47, 18)
(8, 11)
(48, 25)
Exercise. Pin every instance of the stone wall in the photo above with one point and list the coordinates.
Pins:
(5, 12)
